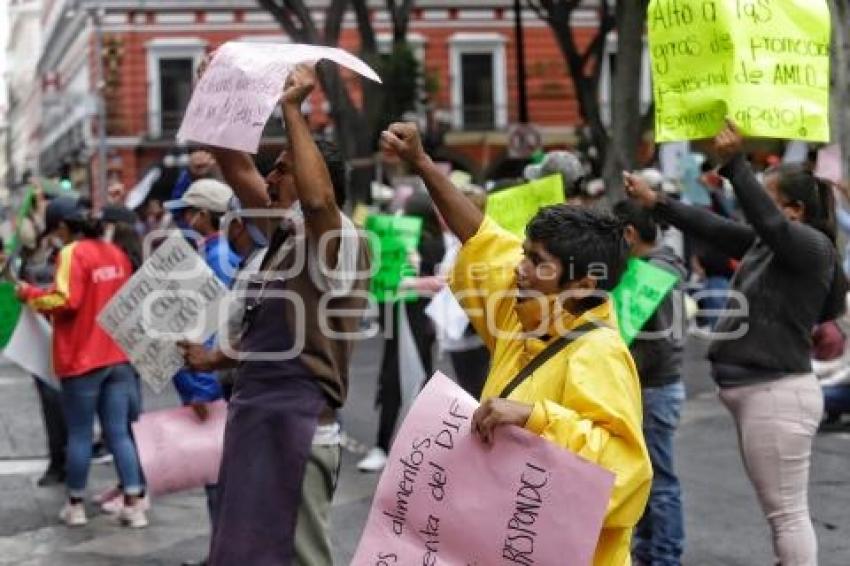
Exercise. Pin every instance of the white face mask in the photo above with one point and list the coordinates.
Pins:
(55, 242)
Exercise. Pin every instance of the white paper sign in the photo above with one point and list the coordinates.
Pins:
(30, 347)
(239, 91)
(173, 296)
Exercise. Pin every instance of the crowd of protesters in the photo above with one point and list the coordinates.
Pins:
(541, 348)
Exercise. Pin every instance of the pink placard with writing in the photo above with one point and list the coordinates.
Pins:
(242, 85)
(178, 450)
(445, 498)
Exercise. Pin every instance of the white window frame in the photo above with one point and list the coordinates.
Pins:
(159, 49)
(606, 80)
(479, 43)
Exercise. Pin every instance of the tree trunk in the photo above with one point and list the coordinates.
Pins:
(840, 92)
(625, 97)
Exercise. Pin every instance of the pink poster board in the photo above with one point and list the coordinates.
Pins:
(177, 450)
(447, 499)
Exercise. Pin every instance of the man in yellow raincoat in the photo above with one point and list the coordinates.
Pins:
(522, 297)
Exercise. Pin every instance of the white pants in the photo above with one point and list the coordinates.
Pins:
(777, 422)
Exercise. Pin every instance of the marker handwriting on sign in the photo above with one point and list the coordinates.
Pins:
(447, 498)
(518, 546)
(436, 481)
(763, 62)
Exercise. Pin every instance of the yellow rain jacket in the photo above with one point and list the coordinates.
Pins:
(586, 398)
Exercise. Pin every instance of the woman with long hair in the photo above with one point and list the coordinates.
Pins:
(789, 279)
(94, 372)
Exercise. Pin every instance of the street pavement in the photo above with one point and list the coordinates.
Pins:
(724, 524)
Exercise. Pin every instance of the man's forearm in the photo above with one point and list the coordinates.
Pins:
(312, 180)
(460, 213)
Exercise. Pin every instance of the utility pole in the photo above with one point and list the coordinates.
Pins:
(96, 14)
(519, 36)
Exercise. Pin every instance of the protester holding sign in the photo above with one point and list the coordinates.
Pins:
(94, 372)
(761, 353)
(560, 368)
(658, 350)
(294, 350)
(201, 209)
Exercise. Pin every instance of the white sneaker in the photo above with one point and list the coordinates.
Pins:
(133, 516)
(374, 461)
(116, 504)
(73, 514)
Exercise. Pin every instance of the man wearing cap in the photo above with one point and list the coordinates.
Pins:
(200, 209)
(302, 314)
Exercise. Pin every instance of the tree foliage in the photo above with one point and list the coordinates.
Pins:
(616, 148)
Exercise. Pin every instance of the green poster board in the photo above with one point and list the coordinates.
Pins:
(513, 208)
(763, 63)
(392, 239)
(638, 295)
(10, 312)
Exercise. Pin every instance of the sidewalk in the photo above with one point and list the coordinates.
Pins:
(724, 524)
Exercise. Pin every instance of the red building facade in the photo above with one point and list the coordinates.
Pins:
(150, 51)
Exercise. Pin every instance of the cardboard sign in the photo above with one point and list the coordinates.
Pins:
(178, 450)
(240, 89)
(513, 208)
(445, 498)
(638, 294)
(173, 296)
(392, 239)
(763, 63)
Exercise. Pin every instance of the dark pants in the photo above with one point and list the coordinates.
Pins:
(54, 424)
(471, 369)
(660, 534)
(389, 386)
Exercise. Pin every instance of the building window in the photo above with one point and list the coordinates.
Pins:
(175, 90)
(478, 81)
(171, 71)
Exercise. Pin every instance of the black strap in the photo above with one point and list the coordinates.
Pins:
(553, 348)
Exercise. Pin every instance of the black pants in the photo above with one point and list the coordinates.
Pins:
(471, 369)
(389, 388)
(54, 424)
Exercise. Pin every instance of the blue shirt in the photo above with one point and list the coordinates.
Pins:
(204, 387)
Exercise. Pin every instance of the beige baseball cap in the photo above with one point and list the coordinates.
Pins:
(203, 194)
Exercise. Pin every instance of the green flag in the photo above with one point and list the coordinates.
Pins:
(10, 312)
(638, 295)
(392, 239)
(24, 209)
(513, 208)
